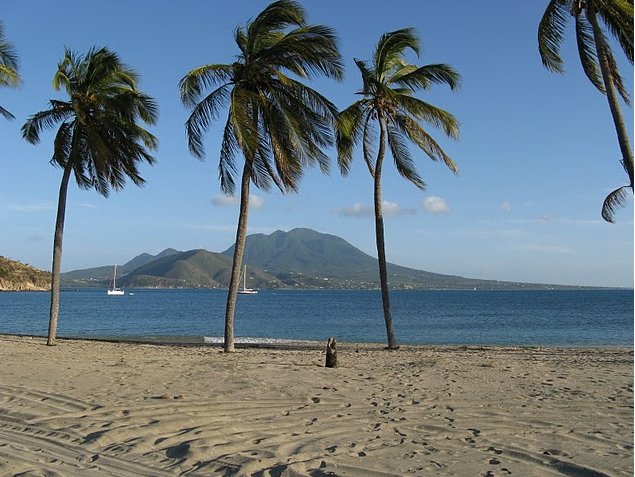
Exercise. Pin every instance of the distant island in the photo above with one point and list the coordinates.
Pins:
(17, 276)
(299, 259)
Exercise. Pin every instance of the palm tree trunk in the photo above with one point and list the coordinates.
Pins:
(57, 255)
(379, 236)
(611, 94)
(239, 248)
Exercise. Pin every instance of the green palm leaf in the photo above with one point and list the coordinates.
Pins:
(551, 34)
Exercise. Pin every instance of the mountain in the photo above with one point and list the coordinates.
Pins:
(193, 269)
(104, 273)
(300, 258)
(15, 275)
(304, 257)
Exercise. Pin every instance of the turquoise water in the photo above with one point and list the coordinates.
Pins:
(551, 318)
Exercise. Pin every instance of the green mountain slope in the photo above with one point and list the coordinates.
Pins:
(193, 269)
(104, 273)
(304, 257)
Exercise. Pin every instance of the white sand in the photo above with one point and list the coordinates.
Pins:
(92, 408)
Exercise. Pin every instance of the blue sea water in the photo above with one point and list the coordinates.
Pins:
(548, 318)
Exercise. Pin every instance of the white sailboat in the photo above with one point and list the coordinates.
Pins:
(113, 290)
(244, 290)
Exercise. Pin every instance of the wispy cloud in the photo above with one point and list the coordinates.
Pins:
(542, 248)
(27, 207)
(356, 210)
(390, 209)
(506, 206)
(435, 205)
(255, 201)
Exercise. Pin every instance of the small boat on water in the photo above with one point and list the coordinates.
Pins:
(113, 290)
(244, 290)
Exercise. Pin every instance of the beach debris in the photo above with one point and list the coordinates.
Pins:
(331, 353)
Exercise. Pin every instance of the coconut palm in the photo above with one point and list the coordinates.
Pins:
(278, 124)
(389, 105)
(99, 140)
(8, 68)
(598, 62)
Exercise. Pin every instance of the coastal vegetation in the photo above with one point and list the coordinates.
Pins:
(389, 104)
(99, 140)
(15, 275)
(276, 122)
(598, 62)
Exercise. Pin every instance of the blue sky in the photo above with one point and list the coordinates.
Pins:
(537, 152)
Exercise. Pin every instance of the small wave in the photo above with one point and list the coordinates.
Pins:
(250, 340)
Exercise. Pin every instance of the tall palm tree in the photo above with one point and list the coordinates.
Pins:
(99, 139)
(389, 103)
(277, 123)
(8, 68)
(598, 62)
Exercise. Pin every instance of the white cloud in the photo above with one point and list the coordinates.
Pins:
(506, 206)
(255, 201)
(435, 205)
(390, 209)
(356, 210)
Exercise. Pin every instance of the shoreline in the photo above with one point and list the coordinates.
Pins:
(311, 345)
(89, 407)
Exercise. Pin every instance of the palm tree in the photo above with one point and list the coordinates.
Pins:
(8, 68)
(598, 62)
(98, 140)
(389, 103)
(277, 123)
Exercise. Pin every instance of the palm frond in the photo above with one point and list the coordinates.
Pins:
(415, 133)
(307, 51)
(9, 63)
(348, 130)
(9, 77)
(369, 81)
(202, 116)
(617, 15)
(587, 51)
(401, 155)
(277, 16)
(551, 34)
(613, 202)
(422, 110)
(618, 82)
(203, 77)
(369, 137)
(425, 76)
(227, 164)
(6, 114)
(59, 111)
(390, 49)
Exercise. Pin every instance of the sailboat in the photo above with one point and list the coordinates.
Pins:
(244, 290)
(113, 290)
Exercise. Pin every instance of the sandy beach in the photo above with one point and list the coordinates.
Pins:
(98, 408)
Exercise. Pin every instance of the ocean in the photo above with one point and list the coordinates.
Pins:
(457, 317)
